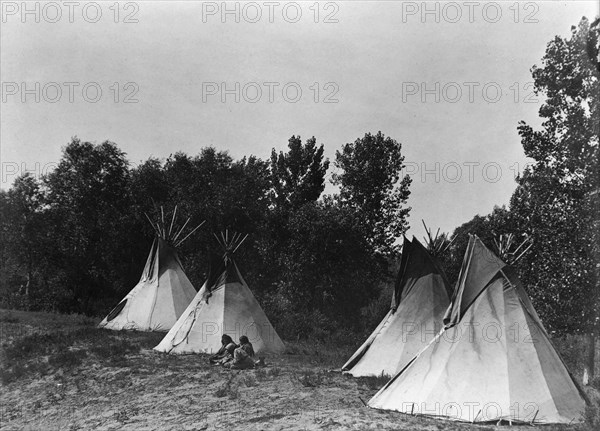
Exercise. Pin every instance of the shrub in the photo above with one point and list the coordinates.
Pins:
(114, 349)
(311, 379)
(18, 371)
(226, 389)
(33, 346)
(9, 318)
(260, 374)
(27, 355)
(592, 415)
(572, 349)
(374, 382)
(250, 380)
(67, 358)
(595, 383)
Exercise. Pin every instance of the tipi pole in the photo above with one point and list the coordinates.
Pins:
(524, 251)
(181, 230)
(172, 220)
(156, 230)
(239, 244)
(186, 237)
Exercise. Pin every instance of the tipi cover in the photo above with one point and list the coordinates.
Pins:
(224, 305)
(421, 297)
(493, 362)
(163, 292)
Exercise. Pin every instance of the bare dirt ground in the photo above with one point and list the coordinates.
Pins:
(61, 373)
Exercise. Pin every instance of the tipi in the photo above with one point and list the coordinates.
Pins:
(420, 299)
(224, 305)
(493, 362)
(163, 291)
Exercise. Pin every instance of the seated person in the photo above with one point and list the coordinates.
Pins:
(225, 352)
(242, 356)
(246, 345)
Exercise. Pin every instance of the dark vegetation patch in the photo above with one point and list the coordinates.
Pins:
(373, 383)
(39, 354)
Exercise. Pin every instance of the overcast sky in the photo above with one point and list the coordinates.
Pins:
(450, 83)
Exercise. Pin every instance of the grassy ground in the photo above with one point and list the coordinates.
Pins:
(61, 373)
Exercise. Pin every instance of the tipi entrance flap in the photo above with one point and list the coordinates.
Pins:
(117, 310)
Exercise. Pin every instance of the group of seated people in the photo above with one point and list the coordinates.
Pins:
(234, 356)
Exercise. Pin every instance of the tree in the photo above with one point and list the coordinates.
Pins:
(487, 228)
(568, 141)
(328, 272)
(24, 241)
(227, 194)
(89, 204)
(298, 176)
(370, 183)
(553, 201)
(26, 201)
(149, 184)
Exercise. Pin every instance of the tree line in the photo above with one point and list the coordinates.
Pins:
(76, 239)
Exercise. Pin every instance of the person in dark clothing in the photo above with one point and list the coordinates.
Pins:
(226, 351)
(243, 356)
(247, 345)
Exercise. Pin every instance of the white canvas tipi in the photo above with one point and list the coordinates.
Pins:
(493, 362)
(224, 305)
(163, 292)
(421, 297)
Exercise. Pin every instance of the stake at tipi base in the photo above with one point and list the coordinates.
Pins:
(224, 305)
(163, 292)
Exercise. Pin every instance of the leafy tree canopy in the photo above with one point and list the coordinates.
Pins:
(370, 182)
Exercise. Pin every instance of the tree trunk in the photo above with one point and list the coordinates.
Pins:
(590, 357)
(29, 273)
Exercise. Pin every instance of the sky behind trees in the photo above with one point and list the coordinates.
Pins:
(382, 66)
